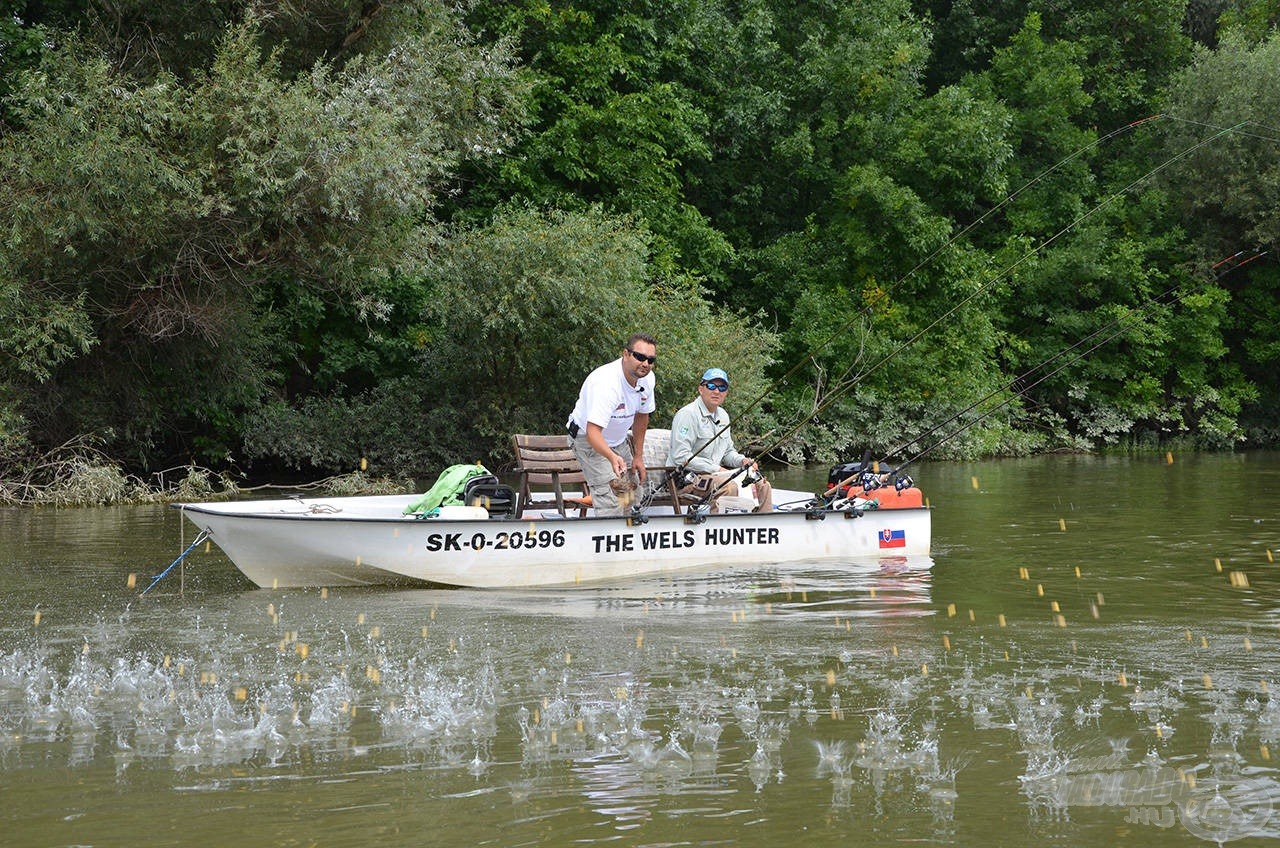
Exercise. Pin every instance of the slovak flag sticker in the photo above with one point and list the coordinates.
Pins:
(893, 538)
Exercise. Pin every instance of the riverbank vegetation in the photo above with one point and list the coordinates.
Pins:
(273, 240)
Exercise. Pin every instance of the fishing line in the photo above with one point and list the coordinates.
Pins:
(948, 243)
(867, 467)
(1142, 306)
(1023, 376)
(1249, 123)
(1127, 326)
(866, 462)
(840, 390)
(1008, 401)
(884, 293)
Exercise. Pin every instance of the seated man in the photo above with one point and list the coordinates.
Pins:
(701, 443)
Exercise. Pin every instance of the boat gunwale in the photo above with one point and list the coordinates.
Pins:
(203, 508)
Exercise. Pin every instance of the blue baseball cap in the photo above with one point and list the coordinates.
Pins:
(715, 374)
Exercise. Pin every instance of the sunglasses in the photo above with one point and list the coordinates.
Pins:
(640, 357)
(717, 387)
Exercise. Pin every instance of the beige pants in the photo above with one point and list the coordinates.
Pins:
(599, 473)
(705, 483)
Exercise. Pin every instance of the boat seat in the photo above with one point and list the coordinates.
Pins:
(661, 485)
(548, 461)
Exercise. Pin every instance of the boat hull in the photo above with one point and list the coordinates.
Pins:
(365, 541)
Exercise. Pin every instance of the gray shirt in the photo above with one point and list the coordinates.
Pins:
(694, 426)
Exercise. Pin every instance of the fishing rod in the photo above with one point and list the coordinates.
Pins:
(884, 293)
(843, 389)
(1150, 302)
(1221, 131)
(702, 501)
(873, 481)
(874, 478)
(1024, 375)
(868, 474)
(836, 393)
(1008, 401)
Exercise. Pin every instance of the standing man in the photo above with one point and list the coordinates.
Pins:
(702, 443)
(615, 398)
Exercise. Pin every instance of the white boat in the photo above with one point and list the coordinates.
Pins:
(359, 541)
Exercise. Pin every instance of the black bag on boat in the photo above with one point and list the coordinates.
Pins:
(485, 490)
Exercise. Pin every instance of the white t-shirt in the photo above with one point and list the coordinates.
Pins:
(609, 400)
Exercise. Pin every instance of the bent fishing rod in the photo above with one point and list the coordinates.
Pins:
(840, 390)
(867, 473)
(874, 478)
(1009, 400)
(883, 295)
(1060, 368)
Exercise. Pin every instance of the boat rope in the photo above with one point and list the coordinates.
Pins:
(200, 537)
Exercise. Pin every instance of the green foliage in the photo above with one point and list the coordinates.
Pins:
(1229, 188)
(608, 129)
(527, 306)
(1252, 20)
(1043, 85)
(19, 48)
(165, 221)
(520, 311)
(398, 429)
(1227, 180)
(220, 225)
(1130, 50)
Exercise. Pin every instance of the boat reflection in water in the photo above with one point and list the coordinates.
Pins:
(875, 587)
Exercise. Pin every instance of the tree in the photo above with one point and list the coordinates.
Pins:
(1226, 179)
(613, 125)
(169, 222)
(520, 310)
(552, 295)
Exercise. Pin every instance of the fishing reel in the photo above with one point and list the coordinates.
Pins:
(752, 477)
(869, 481)
(903, 482)
(683, 476)
(697, 513)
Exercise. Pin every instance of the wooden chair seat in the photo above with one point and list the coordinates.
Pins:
(548, 461)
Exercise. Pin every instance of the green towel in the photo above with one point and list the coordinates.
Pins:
(447, 490)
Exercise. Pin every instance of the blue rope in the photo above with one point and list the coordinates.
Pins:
(204, 534)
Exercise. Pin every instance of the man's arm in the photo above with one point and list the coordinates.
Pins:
(732, 458)
(682, 434)
(595, 438)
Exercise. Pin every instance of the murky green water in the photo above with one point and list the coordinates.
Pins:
(1089, 662)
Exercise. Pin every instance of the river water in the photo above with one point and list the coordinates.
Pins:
(1089, 661)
